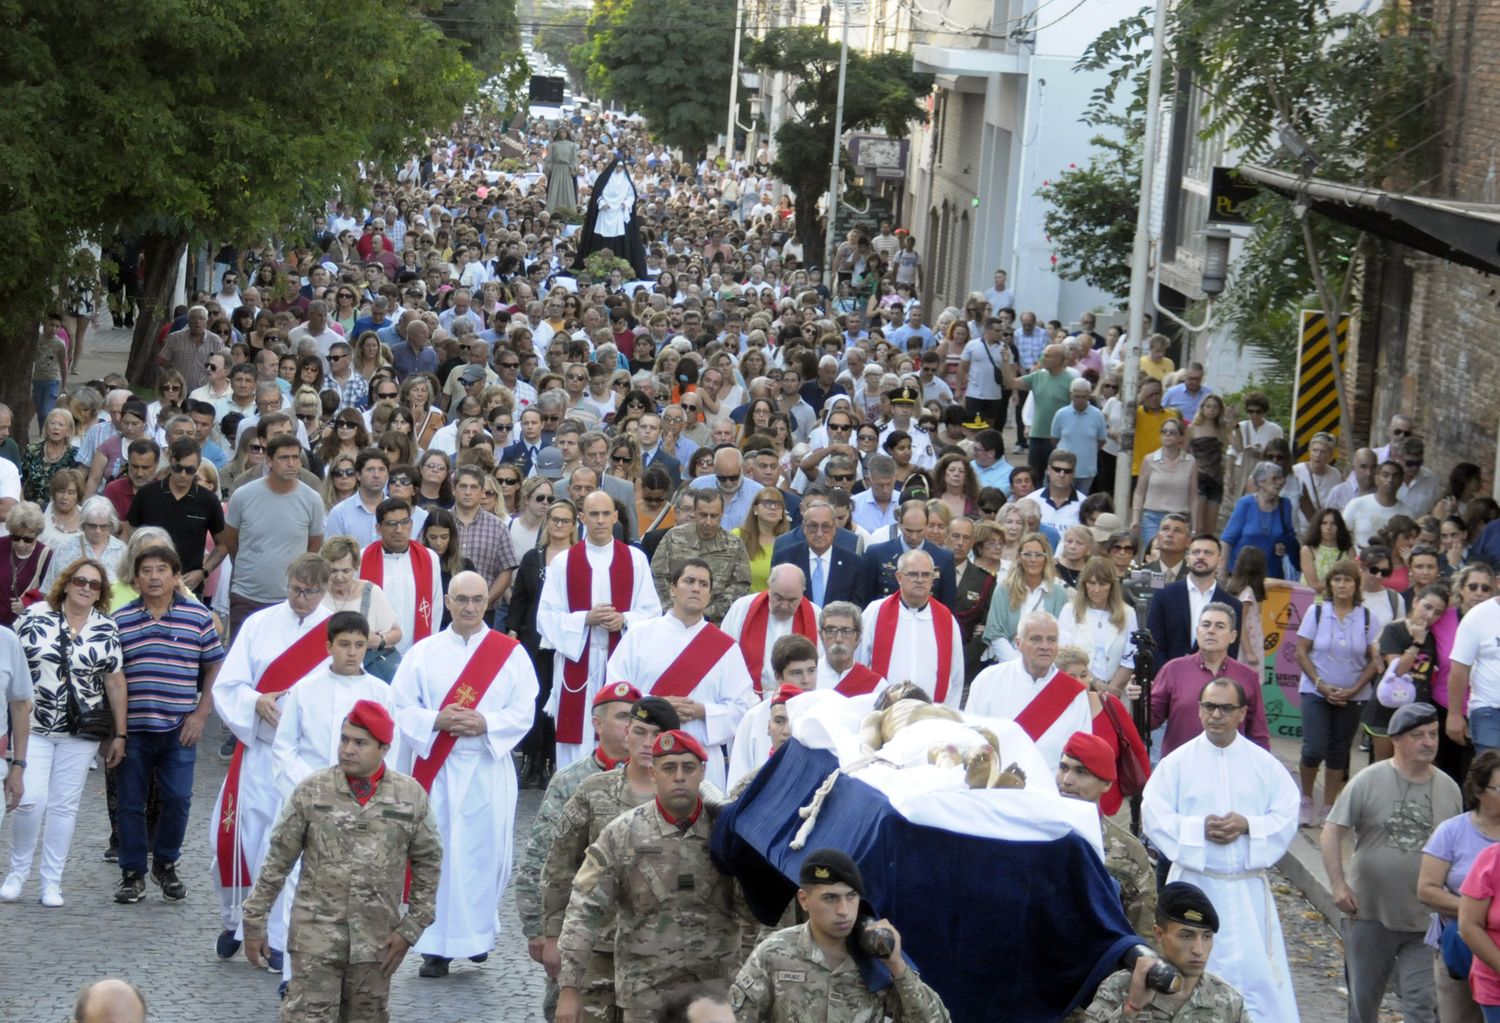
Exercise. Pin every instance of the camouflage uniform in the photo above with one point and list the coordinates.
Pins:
(787, 979)
(354, 861)
(1212, 1001)
(1126, 860)
(728, 563)
(675, 915)
(543, 826)
(598, 801)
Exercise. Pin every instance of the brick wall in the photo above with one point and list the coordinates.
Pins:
(1446, 372)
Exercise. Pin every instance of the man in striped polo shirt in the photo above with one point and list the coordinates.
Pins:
(172, 653)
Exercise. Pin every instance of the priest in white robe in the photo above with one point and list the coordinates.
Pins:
(583, 619)
(757, 620)
(1048, 705)
(465, 698)
(272, 651)
(311, 727)
(692, 663)
(407, 572)
(902, 635)
(1224, 811)
(839, 629)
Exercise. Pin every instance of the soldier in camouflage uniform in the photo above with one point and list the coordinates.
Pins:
(598, 801)
(807, 972)
(611, 713)
(704, 538)
(1184, 934)
(1086, 772)
(674, 913)
(355, 828)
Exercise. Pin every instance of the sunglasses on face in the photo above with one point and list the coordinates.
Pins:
(83, 583)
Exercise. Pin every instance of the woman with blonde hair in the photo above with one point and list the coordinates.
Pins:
(1099, 620)
(417, 393)
(346, 591)
(767, 520)
(1030, 585)
(1073, 553)
(1012, 522)
(340, 481)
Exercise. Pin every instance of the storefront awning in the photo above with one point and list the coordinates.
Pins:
(1467, 233)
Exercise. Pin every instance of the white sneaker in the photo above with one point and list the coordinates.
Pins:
(1306, 815)
(10, 891)
(51, 896)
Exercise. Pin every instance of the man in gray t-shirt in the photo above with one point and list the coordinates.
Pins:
(15, 683)
(1392, 807)
(270, 522)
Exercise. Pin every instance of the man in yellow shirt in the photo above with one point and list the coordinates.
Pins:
(1156, 365)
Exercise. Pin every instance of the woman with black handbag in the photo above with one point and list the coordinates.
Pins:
(73, 651)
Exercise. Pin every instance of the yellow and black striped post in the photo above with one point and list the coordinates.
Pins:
(1315, 406)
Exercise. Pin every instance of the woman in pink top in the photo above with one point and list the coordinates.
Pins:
(1479, 926)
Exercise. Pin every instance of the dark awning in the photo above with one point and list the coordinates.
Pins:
(1467, 233)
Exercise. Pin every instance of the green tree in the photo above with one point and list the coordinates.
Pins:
(1090, 217)
(667, 60)
(562, 34)
(488, 32)
(195, 120)
(881, 91)
(1357, 87)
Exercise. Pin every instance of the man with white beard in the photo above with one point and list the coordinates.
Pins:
(1224, 811)
(274, 650)
(594, 592)
(465, 697)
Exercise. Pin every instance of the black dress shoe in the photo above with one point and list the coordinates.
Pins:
(481, 957)
(433, 966)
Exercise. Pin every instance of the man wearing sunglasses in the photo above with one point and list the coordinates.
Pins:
(353, 389)
(187, 511)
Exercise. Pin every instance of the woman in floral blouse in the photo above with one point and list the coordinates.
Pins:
(73, 651)
(44, 457)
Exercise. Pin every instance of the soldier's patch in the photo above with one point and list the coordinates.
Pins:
(666, 742)
(791, 976)
(686, 882)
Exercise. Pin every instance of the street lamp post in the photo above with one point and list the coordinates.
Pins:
(734, 82)
(838, 149)
(1140, 265)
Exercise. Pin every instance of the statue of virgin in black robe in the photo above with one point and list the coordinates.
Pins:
(611, 222)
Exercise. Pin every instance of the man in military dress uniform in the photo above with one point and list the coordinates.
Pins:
(1184, 935)
(356, 827)
(705, 537)
(675, 924)
(611, 718)
(1086, 771)
(599, 800)
(808, 972)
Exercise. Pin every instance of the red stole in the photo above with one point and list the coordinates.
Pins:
(858, 682)
(372, 569)
(280, 675)
(467, 690)
(753, 632)
(885, 642)
(696, 660)
(572, 702)
(1046, 706)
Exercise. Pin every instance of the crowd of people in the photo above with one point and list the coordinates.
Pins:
(419, 493)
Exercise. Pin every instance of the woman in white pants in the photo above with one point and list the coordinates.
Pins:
(73, 651)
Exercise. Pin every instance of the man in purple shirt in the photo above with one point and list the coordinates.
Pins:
(1174, 694)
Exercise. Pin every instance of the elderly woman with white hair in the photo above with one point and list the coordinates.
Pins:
(95, 540)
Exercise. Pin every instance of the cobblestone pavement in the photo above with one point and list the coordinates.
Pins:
(168, 949)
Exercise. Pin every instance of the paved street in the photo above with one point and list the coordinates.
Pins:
(168, 949)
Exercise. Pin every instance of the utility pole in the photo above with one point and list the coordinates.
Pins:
(1140, 266)
(734, 81)
(838, 151)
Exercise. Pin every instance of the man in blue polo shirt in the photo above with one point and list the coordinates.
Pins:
(171, 652)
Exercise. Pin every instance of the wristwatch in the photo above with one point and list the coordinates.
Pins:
(18, 763)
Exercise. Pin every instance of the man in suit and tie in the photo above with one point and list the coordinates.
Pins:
(652, 453)
(880, 558)
(1173, 615)
(832, 572)
(524, 451)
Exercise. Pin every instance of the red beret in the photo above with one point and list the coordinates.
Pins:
(785, 692)
(1093, 753)
(620, 692)
(375, 719)
(677, 741)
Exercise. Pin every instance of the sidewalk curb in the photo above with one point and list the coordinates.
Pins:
(1303, 867)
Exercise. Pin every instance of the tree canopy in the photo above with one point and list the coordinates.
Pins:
(667, 60)
(221, 119)
(881, 91)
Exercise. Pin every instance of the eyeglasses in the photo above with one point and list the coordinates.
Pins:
(1381, 572)
(385, 394)
(96, 525)
(177, 389)
(209, 366)
(837, 631)
(541, 498)
(84, 583)
(728, 479)
(621, 459)
(344, 424)
(508, 365)
(338, 358)
(559, 520)
(839, 427)
(1471, 587)
(1033, 554)
(343, 473)
(396, 524)
(308, 417)
(303, 592)
(1210, 709)
(401, 480)
(467, 601)
(1412, 463)
(1128, 547)
(21, 538)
